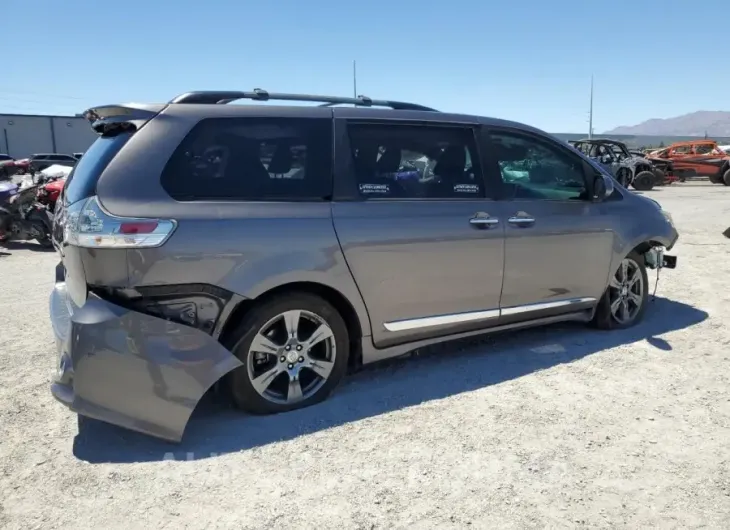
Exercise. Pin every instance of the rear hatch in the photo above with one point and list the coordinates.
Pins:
(89, 241)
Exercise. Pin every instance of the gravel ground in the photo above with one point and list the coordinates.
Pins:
(557, 427)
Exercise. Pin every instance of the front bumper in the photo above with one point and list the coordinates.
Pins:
(131, 369)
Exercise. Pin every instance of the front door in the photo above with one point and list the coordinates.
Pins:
(420, 235)
(557, 242)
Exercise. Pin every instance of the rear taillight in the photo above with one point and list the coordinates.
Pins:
(91, 227)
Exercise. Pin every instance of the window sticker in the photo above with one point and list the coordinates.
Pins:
(374, 188)
(466, 188)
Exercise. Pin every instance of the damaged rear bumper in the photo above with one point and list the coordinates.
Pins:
(131, 369)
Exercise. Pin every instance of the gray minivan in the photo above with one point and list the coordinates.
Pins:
(270, 248)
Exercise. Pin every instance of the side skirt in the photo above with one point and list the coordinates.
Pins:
(371, 354)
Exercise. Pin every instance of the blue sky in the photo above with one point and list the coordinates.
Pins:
(528, 60)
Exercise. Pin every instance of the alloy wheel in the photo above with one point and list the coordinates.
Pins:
(626, 291)
(291, 357)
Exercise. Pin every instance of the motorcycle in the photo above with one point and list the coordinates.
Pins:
(22, 217)
(49, 192)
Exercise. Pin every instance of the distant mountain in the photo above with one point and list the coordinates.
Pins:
(711, 122)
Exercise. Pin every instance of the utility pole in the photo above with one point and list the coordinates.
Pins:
(590, 116)
(354, 79)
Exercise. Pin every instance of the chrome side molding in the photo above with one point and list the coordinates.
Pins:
(441, 320)
(487, 314)
(541, 306)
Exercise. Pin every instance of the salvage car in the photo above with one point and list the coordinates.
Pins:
(40, 161)
(699, 158)
(265, 250)
(643, 173)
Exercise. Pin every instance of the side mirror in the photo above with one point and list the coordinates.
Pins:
(602, 187)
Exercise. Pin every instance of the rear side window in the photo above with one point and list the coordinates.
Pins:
(81, 183)
(397, 161)
(252, 159)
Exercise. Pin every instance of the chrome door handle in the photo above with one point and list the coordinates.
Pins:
(521, 220)
(483, 220)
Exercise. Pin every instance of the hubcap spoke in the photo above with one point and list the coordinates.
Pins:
(624, 310)
(263, 381)
(615, 283)
(295, 389)
(320, 367)
(635, 277)
(323, 332)
(263, 344)
(291, 321)
(615, 304)
(636, 298)
(624, 270)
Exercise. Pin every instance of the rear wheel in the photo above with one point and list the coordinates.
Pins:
(644, 181)
(294, 351)
(726, 177)
(624, 302)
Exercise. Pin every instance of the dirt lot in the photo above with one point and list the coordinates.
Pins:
(559, 427)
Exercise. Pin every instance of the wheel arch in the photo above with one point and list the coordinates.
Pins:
(639, 245)
(644, 246)
(333, 296)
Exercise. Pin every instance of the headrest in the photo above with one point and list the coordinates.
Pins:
(389, 162)
(451, 162)
(282, 160)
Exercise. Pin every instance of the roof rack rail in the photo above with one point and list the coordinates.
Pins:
(221, 97)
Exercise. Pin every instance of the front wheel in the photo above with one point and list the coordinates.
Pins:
(624, 302)
(294, 350)
(644, 181)
(726, 178)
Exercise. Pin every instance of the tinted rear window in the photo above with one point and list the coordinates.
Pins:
(81, 183)
(252, 159)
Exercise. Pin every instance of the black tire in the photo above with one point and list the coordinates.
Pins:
(604, 319)
(45, 242)
(660, 177)
(644, 181)
(242, 390)
(726, 177)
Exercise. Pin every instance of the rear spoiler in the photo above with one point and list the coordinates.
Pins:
(110, 119)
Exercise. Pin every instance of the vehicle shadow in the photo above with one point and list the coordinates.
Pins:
(25, 245)
(439, 372)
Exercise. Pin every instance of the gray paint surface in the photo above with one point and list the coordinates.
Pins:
(391, 261)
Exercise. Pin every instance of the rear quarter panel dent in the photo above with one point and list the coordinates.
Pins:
(250, 256)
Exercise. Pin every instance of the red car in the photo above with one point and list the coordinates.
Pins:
(700, 158)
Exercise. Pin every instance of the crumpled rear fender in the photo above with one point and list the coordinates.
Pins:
(131, 369)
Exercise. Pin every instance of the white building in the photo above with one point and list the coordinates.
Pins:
(22, 135)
